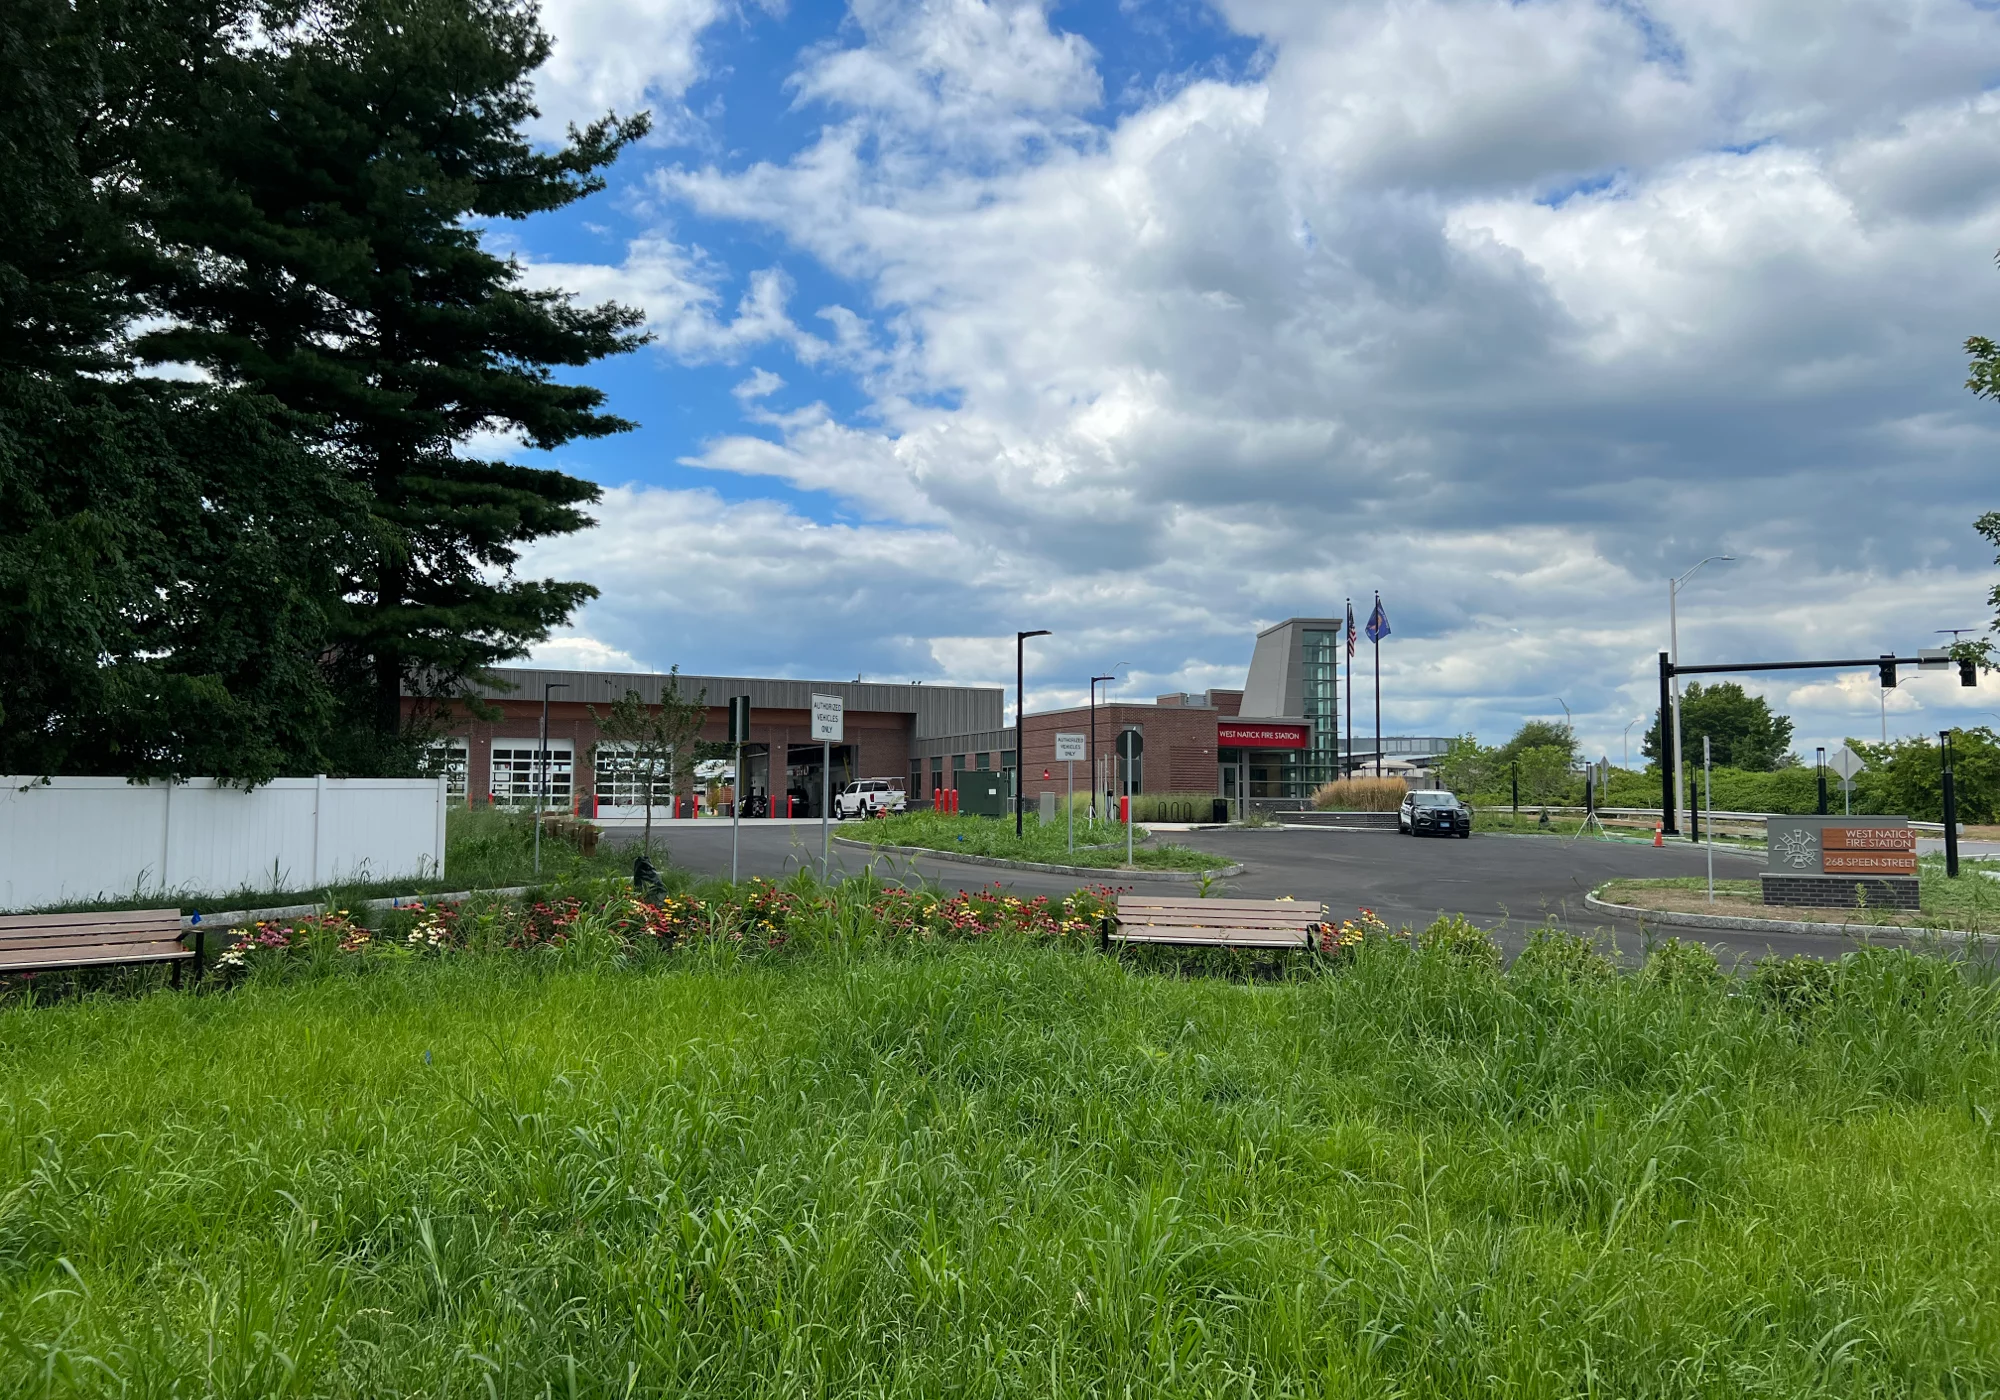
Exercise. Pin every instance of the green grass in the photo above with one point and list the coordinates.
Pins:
(484, 849)
(984, 836)
(1001, 1169)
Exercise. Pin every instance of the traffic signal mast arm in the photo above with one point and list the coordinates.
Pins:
(1968, 674)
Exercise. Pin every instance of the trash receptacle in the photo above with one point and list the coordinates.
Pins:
(1218, 811)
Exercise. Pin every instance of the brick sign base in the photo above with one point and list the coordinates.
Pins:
(1841, 891)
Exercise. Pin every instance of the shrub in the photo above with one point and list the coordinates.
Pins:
(1682, 965)
(1557, 955)
(1457, 939)
(1361, 795)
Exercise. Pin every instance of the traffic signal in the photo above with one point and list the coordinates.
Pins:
(1968, 671)
(1888, 673)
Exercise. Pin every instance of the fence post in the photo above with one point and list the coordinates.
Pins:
(166, 835)
(319, 804)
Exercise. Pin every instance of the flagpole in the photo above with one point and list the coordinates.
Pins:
(1377, 644)
(1345, 771)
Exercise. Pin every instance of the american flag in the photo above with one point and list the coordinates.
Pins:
(1350, 629)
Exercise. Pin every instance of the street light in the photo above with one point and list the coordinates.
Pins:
(542, 784)
(1021, 724)
(1567, 726)
(1093, 734)
(1628, 741)
(1674, 655)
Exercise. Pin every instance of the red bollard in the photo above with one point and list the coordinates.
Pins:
(1125, 809)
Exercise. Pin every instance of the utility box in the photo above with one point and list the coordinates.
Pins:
(981, 792)
(1048, 810)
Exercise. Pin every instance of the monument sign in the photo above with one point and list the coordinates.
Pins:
(1841, 862)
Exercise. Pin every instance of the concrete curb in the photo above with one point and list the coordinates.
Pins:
(236, 918)
(1736, 923)
(1100, 871)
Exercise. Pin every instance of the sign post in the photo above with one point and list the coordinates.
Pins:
(739, 733)
(1069, 748)
(1847, 763)
(829, 726)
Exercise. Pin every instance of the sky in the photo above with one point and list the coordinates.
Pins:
(1155, 322)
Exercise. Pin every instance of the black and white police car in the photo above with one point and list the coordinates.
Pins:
(1434, 814)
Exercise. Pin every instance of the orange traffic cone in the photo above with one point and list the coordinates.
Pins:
(1656, 835)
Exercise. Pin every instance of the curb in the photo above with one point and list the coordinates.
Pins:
(1190, 876)
(236, 918)
(1739, 924)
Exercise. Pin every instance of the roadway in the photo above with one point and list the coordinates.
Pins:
(1508, 883)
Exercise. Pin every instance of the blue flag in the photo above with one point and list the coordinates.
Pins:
(1378, 622)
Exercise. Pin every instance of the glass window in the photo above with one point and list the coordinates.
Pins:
(958, 763)
(517, 769)
(937, 773)
(985, 761)
(449, 757)
(1319, 694)
(619, 780)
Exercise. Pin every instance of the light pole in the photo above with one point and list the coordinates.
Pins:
(1674, 655)
(1819, 769)
(1094, 779)
(542, 783)
(1628, 742)
(1021, 724)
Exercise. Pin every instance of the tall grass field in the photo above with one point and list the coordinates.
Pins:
(992, 1168)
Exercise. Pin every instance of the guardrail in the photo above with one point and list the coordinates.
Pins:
(1654, 812)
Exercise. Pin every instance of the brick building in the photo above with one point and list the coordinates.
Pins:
(499, 760)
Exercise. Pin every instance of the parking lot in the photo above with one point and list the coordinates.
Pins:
(1510, 883)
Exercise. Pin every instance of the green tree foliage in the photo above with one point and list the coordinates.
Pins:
(1546, 769)
(1742, 730)
(165, 547)
(1539, 734)
(1905, 778)
(237, 576)
(328, 217)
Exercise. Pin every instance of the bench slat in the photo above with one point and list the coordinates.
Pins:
(1266, 905)
(52, 959)
(80, 938)
(1214, 938)
(117, 917)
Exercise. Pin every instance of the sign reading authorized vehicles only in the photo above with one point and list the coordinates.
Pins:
(1071, 748)
(829, 720)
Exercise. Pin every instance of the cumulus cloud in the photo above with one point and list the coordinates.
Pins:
(619, 55)
(1511, 310)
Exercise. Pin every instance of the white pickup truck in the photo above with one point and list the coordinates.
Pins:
(870, 797)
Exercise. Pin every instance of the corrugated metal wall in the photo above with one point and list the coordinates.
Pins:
(969, 742)
(939, 709)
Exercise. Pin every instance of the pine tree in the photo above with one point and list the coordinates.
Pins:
(166, 549)
(329, 208)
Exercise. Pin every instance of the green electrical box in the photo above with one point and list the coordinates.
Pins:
(981, 793)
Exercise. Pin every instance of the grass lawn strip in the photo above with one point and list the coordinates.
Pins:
(1099, 845)
(995, 1168)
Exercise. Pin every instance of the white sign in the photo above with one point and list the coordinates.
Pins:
(1933, 658)
(1847, 763)
(828, 719)
(1069, 748)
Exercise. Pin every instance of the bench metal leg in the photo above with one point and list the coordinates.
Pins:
(177, 975)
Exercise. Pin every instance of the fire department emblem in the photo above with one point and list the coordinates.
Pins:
(1797, 848)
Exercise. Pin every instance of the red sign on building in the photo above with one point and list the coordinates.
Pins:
(1259, 734)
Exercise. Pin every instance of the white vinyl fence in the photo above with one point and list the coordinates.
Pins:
(74, 839)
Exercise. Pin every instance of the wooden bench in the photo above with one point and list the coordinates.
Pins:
(1214, 923)
(120, 938)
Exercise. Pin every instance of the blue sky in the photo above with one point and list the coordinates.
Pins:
(1153, 322)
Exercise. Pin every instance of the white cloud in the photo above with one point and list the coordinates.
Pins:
(1508, 309)
(620, 55)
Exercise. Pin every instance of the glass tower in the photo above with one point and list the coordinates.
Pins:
(1319, 690)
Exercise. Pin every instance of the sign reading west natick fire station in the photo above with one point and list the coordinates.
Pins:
(1841, 862)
